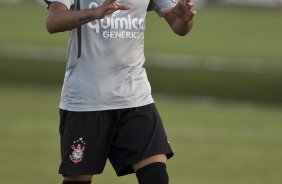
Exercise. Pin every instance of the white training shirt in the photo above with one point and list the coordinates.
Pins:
(108, 73)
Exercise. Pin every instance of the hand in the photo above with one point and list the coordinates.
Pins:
(108, 7)
(184, 9)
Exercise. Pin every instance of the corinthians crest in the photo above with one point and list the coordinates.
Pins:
(78, 148)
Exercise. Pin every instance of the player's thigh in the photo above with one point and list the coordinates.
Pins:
(78, 178)
(149, 160)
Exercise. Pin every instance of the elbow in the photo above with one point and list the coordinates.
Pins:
(182, 32)
(53, 27)
(50, 28)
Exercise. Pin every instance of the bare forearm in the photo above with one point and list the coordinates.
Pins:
(60, 21)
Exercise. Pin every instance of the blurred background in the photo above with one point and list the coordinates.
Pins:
(219, 91)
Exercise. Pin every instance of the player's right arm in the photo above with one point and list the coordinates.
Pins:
(60, 19)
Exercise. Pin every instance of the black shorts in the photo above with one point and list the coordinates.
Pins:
(125, 136)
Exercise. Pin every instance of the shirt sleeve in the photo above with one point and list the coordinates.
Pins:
(68, 3)
(157, 5)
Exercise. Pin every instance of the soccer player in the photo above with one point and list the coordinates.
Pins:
(106, 108)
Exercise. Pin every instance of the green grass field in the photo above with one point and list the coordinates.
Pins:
(230, 32)
(215, 141)
(242, 37)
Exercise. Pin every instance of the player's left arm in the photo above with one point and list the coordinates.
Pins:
(180, 17)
